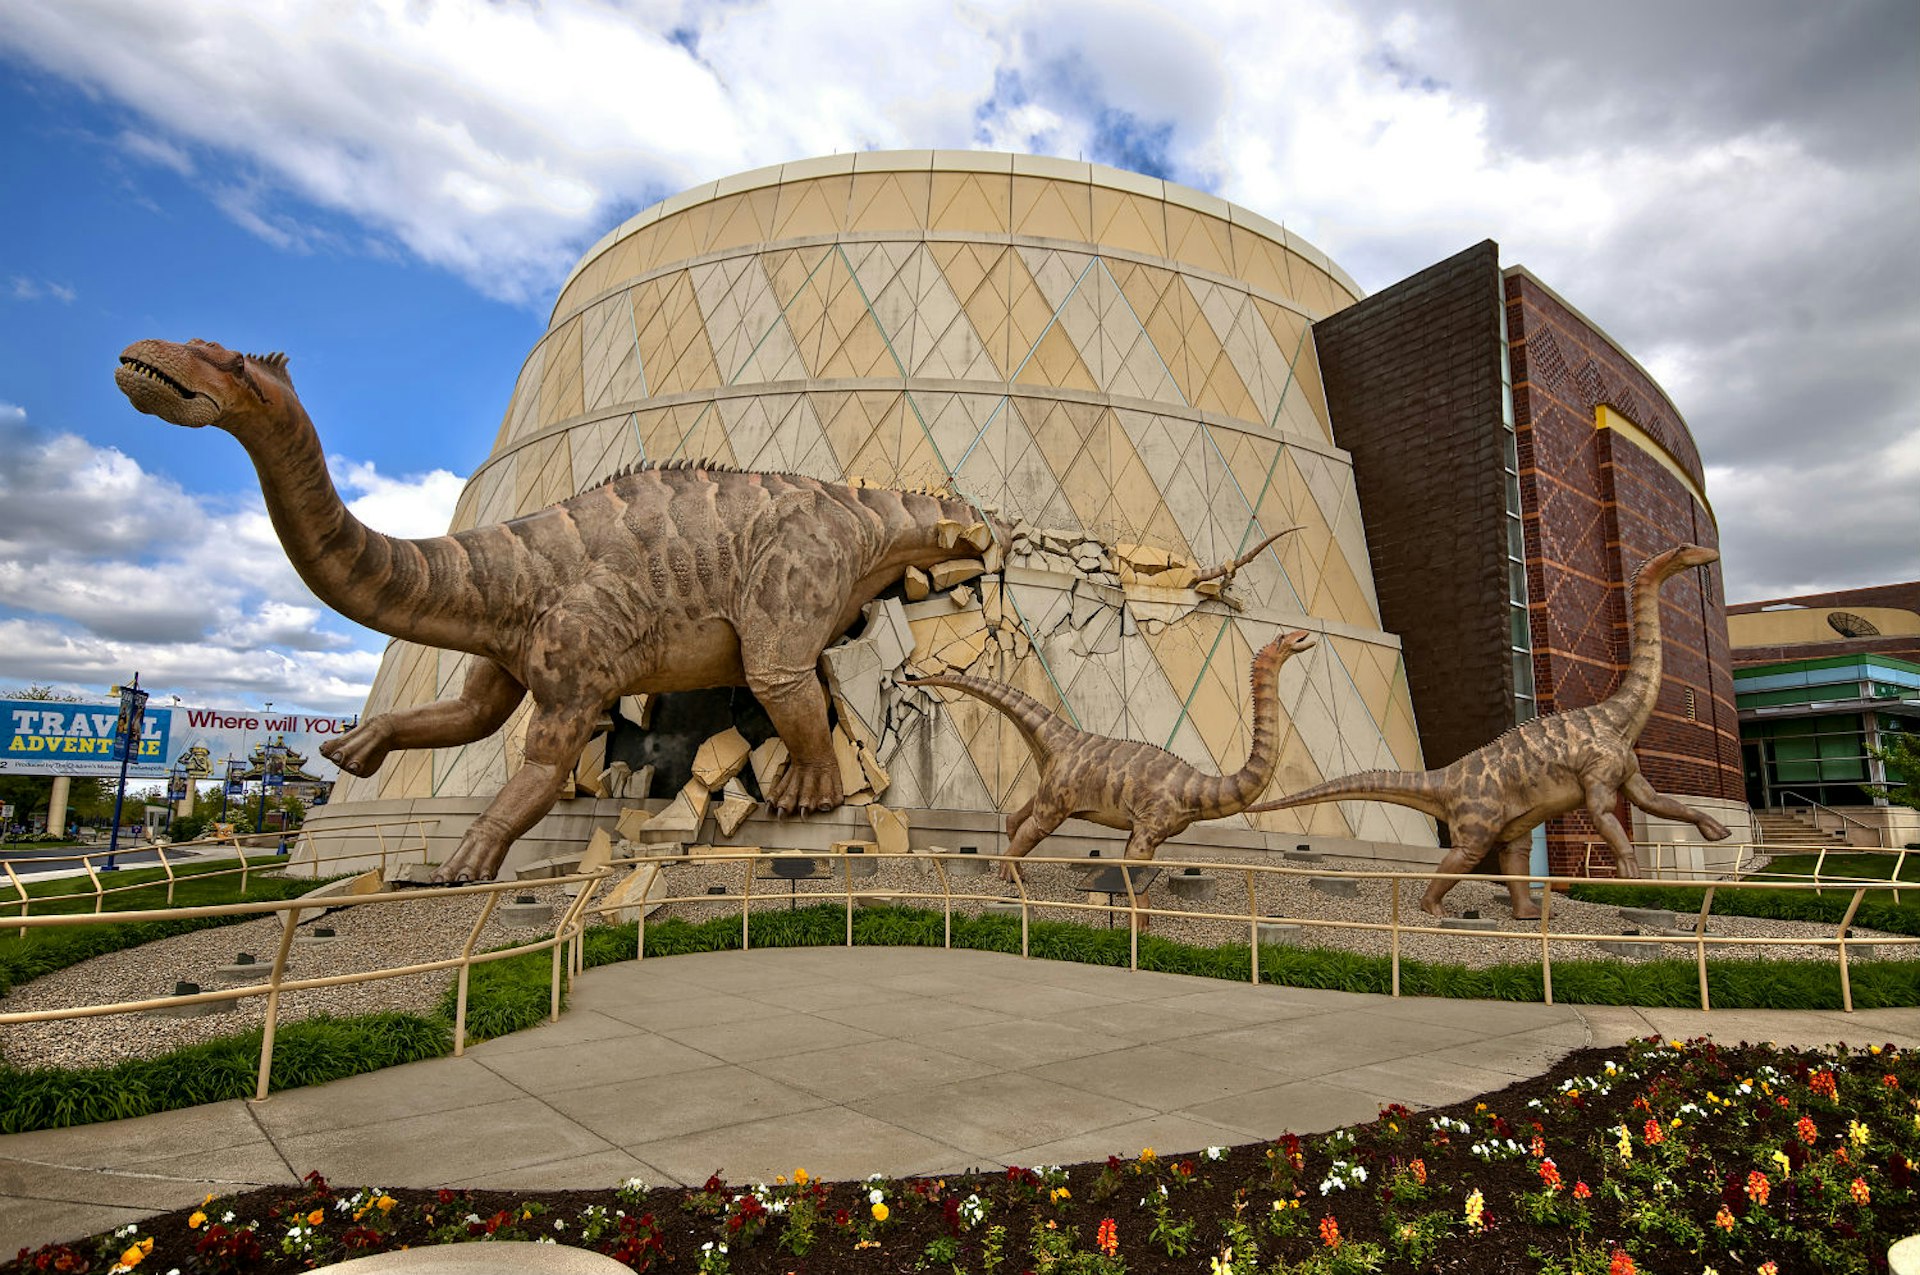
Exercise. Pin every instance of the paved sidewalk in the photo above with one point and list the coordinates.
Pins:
(848, 1062)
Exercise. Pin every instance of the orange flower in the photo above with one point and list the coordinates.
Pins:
(1330, 1231)
(1419, 1170)
(1805, 1128)
(1622, 1263)
(197, 1220)
(1550, 1175)
(1581, 1191)
(1858, 1189)
(1723, 1219)
(136, 1252)
(1108, 1237)
(316, 1217)
(1758, 1187)
(1822, 1084)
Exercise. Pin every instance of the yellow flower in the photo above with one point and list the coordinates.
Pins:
(800, 1177)
(196, 1221)
(1146, 1155)
(1786, 1165)
(1857, 1133)
(879, 1212)
(1058, 1194)
(779, 1179)
(136, 1253)
(385, 1203)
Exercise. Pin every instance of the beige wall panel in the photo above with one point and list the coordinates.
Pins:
(958, 783)
(970, 201)
(525, 400)
(1055, 362)
(677, 237)
(498, 490)
(889, 274)
(529, 475)
(889, 201)
(1049, 209)
(560, 395)
(736, 221)
(955, 420)
(1129, 223)
(741, 318)
(817, 207)
(1260, 261)
(1030, 318)
(606, 335)
(941, 341)
(1199, 240)
(980, 276)
(1154, 295)
(463, 511)
(591, 442)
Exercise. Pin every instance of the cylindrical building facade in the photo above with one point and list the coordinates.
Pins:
(1099, 353)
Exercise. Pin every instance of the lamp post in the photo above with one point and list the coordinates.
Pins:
(126, 745)
(260, 818)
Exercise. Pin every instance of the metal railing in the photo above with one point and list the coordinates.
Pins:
(25, 900)
(566, 934)
(646, 870)
(1879, 834)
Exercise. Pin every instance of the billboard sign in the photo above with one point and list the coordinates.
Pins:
(40, 737)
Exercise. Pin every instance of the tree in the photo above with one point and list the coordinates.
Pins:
(43, 692)
(1901, 756)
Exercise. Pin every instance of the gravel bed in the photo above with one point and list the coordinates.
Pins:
(369, 937)
(1284, 897)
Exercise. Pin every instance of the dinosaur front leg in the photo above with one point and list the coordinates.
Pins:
(1041, 820)
(554, 741)
(1600, 799)
(487, 698)
(1654, 802)
(796, 704)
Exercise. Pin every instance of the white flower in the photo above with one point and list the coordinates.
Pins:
(559, 1225)
(1216, 1153)
(876, 1195)
(227, 1217)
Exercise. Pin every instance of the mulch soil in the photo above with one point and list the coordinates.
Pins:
(1683, 1199)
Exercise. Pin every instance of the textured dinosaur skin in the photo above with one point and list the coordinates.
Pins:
(1123, 783)
(661, 579)
(1495, 796)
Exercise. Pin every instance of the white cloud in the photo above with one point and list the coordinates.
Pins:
(1723, 186)
(22, 288)
(106, 568)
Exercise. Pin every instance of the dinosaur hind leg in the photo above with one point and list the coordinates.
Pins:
(1600, 799)
(1515, 857)
(1042, 818)
(486, 699)
(1469, 847)
(1654, 802)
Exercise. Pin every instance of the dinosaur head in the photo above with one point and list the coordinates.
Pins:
(1288, 645)
(200, 383)
(1682, 557)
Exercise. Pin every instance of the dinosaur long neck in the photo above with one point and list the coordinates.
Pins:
(392, 585)
(1230, 794)
(1630, 706)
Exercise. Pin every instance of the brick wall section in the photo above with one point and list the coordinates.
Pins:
(1904, 596)
(1596, 505)
(1412, 378)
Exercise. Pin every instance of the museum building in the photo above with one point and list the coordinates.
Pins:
(1107, 357)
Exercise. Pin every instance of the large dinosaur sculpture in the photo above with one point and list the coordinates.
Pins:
(1124, 783)
(665, 578)
(1495, 796)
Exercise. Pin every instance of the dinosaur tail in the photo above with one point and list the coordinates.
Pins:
(1412, 788)
(1029, 716)
(1228, 568)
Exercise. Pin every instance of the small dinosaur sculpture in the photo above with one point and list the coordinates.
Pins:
(1124, 783)
(666, 578)
(1496, 795)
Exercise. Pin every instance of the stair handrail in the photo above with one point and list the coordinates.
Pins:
(1879, 835)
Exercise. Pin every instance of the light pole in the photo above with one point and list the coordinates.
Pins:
(260, 819)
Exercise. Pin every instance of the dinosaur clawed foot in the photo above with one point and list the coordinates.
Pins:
(1712, 829)
(475, 860)
(361, 750)
(1008, 870)
(802, 788)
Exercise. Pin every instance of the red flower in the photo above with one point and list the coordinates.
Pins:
(1805, 1128)
(1330, 1231)
(1822, 1084)
(1622, 1263)
(1581, 1191)
(1108, 1237)
(1550, 1175)
(1655, 1135)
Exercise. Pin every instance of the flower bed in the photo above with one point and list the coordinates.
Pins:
(1664, 1157)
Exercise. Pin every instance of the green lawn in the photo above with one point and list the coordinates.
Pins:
(1868, 865)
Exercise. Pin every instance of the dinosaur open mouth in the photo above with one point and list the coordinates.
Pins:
(154, 373)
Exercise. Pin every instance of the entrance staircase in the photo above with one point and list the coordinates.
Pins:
(1792, 833)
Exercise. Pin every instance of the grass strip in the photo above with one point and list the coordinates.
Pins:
(1731, 984)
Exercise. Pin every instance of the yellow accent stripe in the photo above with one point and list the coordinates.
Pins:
(1605, 417)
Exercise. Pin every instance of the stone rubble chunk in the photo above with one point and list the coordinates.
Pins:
(917, 584)
(948, 531)
(681, 819)
(632, 820)
(732, 812)
(769, 763)
(640, 784)
(956, 571)
(962, 597)
(876, 775)
(847, 754)
(613, 780)
(637, 709)
(720, 758)
(979, 535)
(889, 828)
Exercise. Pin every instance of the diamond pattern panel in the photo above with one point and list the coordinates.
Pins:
(889, 201)
(610, 361)
(970, 201)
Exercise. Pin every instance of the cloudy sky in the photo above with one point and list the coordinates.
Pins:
(392, 192)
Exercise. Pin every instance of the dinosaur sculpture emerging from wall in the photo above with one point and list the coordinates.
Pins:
(665, 578)
(1494, 797)
(1123, 783)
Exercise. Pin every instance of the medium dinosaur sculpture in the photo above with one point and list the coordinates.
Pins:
(1495, 796)
(665, 578)
(1124, 783)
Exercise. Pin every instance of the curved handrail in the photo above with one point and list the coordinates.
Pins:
(567, 930)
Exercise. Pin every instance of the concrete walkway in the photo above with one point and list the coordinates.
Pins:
(846, 1062)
